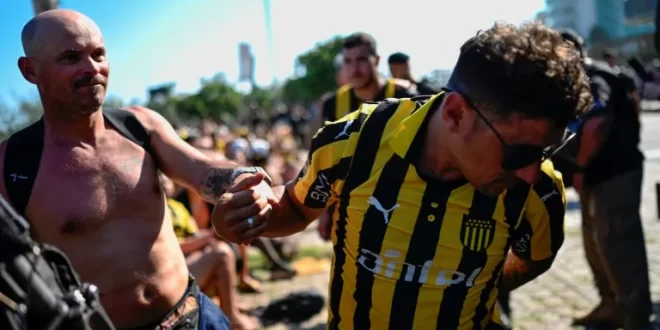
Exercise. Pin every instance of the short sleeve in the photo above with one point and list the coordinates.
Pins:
(540, 232)
(328, 161)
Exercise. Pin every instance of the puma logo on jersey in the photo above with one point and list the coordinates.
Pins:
(548, 195)
(15, 176)
(386, 212)
(522, 244)
(344, 132)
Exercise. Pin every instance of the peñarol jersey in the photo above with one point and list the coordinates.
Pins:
(345, 101)
(412, 252)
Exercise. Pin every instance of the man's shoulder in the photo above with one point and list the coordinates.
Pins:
(550, 186)
(404, 88)
(150, 119)
(328, 97)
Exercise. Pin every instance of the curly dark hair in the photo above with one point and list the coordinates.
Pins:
(528, 70)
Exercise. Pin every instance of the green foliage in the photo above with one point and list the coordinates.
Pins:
(214, 100)
(318, 73)
(263, 97)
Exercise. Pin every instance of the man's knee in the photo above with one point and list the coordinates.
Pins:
(222, 252)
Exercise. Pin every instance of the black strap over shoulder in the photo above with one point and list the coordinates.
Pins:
(22, 159)
(25, 148)
(129, 126)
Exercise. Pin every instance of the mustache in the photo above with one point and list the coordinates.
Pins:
(88, 81)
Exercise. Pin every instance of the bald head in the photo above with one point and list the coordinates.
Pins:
(65, 58)
(40, 31)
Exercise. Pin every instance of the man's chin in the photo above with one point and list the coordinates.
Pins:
(358, 83)
(492, 190)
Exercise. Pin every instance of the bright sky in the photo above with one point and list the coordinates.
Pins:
(152, 42)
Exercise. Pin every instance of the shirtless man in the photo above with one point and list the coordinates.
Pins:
(97, 194)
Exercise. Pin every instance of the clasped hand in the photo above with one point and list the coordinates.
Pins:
(242, 212)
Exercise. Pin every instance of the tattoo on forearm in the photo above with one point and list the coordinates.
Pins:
(215, 183)
(518, 271)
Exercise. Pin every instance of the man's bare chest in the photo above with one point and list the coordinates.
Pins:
(82, 189)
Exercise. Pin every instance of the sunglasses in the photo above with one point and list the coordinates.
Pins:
(517, 156)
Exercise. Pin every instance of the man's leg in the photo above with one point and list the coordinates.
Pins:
(606, 311)
(216, 267)
(246, 284)
(620, 237)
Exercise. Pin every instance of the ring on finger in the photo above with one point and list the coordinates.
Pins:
(250, 222)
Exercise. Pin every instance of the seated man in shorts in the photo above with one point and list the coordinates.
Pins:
(211, 261)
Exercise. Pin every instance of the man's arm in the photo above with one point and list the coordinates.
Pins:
(290, 216)
(183, 163)
(518, 271)
(196, 242)
(594, 130)
(304, 199)
(540, 233)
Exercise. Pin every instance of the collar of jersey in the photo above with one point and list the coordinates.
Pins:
(403, 136)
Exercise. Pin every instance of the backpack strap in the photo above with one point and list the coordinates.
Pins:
(130, 127)
(24, 150)
(21, 164)
(343, 102)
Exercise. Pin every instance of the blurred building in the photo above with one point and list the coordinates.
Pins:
(639, 16)
(626, 25)
(160, 94)
(245, 63)
(577, 15)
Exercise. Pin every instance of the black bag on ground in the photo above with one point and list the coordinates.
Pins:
(296, 307)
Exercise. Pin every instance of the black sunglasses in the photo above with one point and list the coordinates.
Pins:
(517, 156)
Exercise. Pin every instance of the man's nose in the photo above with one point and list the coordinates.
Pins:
(530, 174)
(91, 66)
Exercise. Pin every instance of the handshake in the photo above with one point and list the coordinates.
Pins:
(241, 214)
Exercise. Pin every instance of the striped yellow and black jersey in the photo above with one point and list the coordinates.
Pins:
(345, 101)
(412, 252)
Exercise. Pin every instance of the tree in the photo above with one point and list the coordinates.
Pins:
(262, 97)
(113, 102)
(216, 99)
(41, 6)
(316, 72)
(13, 120)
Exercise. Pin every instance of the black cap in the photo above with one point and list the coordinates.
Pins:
(398, 58)
(574, 37)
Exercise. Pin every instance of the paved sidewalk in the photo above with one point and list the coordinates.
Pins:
(567, 289)
(550, 301)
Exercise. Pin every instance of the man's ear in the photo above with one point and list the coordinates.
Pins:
(26, 66)
(454, 111)
(376, 60)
